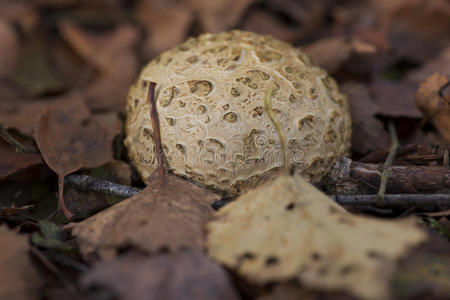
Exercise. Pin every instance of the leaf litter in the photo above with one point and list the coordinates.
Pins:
(184, 275)
(290, 230)
(69, 140)
(169, 215)
(19, 279)
(83, 55)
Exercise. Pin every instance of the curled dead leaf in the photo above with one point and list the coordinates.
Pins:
(433, 99)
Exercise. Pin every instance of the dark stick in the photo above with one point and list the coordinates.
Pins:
(19, 147)
(156, 132)
(386, 169)
(86, 183)
(395, 200)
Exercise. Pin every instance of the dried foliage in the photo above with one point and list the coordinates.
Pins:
(65, 69)
(288, 229)
(433, 99)
(166, 215)
(19, 279)
(185, 275)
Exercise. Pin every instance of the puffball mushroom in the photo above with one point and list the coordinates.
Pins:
(214, 126)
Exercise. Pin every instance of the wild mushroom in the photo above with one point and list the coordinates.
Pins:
(214, 126)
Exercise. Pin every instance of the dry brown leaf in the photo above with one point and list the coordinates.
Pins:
(113, 55)
(8, 49)
(294, 291)
(429, 18)
(11, 162)
(166, 25)
(395, 99)
(185, 275)
(441, 64)
(288, 291)
(19, 113)
(69, 139)
(368, 132)
(331, 53)
(219, 15)
(19, 280)
(265, 23)
(288, 229)
(111, 121)
(433, 99)
(171, 215)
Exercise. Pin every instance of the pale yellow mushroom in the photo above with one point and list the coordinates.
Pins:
(214, 126)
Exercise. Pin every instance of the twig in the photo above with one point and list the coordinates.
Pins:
(18, 146)
(86, 183)
(61, 203)
(156, 132)
(395, 200)
(386, 169)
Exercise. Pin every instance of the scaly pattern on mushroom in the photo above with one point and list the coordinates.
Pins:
(214, 127)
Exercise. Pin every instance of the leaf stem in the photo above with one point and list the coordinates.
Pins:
(386, 168)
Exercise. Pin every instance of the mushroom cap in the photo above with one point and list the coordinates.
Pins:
(214, 127)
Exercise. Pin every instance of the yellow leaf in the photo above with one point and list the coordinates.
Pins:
(289, 229)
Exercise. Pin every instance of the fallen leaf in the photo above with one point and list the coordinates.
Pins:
(288, 291)
(433, 99)
(108, 53)
(111, 121)
(441, 64)
(8, 49)
(218, 15)
(69, 140)
(294, 291)
(309, 15)
(21, 113)
(395, 99)
(171, 215)
(288, 229)
(166, 25)
(185, 275)
(265, 23)
(331, 53)
(368, 132)
(34, 72)
(425, 271)
(18, 278)
(429, 18)
(11, 162)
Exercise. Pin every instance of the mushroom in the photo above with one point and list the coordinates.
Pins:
(214, 127)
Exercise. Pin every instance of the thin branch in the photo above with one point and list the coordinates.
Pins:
(386, 169)
(18, 146)
(86, 183)
(395, 200)
(61, 203)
